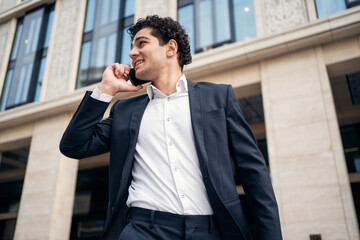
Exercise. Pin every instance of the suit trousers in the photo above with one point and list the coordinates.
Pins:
(144, 224)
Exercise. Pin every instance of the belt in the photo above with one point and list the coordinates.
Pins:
(171, 219)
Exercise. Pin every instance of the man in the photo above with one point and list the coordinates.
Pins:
(170, 171)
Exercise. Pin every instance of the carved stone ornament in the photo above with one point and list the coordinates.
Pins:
(284, 14)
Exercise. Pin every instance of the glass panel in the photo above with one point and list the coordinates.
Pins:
(35, 40)
(129, 8)
(115, 10)
(84, 64)
(100, 58)
(23, 85)
(29, 36)
(204, 19)
(48, 29)
(6, 89)
(90, 16)
(25, 89)
(111, 49)
(244, 19)
(40, 79)
(125, 48)
(186, 19)
(17, 41)
(327, 7)
(223, 32)
(105, 10)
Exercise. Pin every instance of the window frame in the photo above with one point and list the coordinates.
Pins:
(123, 22)
(40, 53)
(232, 39)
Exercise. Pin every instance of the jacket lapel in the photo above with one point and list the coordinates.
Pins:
(196, 121)
(135, 121)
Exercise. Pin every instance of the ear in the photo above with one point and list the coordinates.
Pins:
(172, 48)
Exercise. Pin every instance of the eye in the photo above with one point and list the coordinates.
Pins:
(141, 43)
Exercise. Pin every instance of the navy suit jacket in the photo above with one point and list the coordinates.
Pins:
(220, 131)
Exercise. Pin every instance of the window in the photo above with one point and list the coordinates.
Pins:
(325, 8)
(212, 23)
(12, 171)
(105, 40)
(27, 60)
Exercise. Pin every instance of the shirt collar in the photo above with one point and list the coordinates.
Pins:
(181, 86)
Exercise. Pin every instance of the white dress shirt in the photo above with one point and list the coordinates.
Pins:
(166, 173)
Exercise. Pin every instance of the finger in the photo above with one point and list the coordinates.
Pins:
(132, 88)
(118, 69)
(126, 69)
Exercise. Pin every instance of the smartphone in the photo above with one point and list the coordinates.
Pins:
(134, 81)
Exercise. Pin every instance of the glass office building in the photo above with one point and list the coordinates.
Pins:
(294, 66)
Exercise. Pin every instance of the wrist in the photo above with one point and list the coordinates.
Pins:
(106, 89)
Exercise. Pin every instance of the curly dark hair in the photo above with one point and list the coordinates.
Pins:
(165, 29)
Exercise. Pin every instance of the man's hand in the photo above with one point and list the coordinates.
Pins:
(113, 80)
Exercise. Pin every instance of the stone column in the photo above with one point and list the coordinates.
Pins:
(163, 8)
(48, 194)
(7, 32)
(306, 156)
(64, 49)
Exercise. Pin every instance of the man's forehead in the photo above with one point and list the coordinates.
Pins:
(147, 32)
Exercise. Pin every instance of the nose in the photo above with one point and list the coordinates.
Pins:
(133, 53)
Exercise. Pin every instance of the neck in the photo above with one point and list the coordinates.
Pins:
(166, 82)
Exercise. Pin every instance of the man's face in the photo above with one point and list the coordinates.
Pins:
(148, 57)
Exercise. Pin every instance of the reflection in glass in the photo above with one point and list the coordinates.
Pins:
(325, 8)
(90, 16)
(129, 8)
(40, 79)
(17, 41)
(125, 48)
(29, 47)
(111, 49)
(222, 19)
(35, 40)
(244, 19)
(24, 90)
(48, 30)
(84, 64)
(104, 40)
(205, 32)
(105, 10)
(186, 19)
(115, 10)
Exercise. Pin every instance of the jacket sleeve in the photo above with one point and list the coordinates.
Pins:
(254, 175)
(87, 135)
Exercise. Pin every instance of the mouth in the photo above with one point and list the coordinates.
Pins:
(137, 63)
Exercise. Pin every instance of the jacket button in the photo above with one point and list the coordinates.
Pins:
(112, 209)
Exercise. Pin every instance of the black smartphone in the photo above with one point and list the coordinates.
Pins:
(134, 81)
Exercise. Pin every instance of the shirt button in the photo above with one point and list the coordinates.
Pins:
(176, 168)
(182, 195)
(168, 98)
(170, 143)
(168, 119)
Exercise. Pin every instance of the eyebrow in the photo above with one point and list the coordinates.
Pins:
(137, 39)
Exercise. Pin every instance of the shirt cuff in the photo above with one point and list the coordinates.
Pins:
(96, 94)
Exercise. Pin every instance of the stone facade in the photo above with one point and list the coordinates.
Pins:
(7, 4)
(288, 64)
